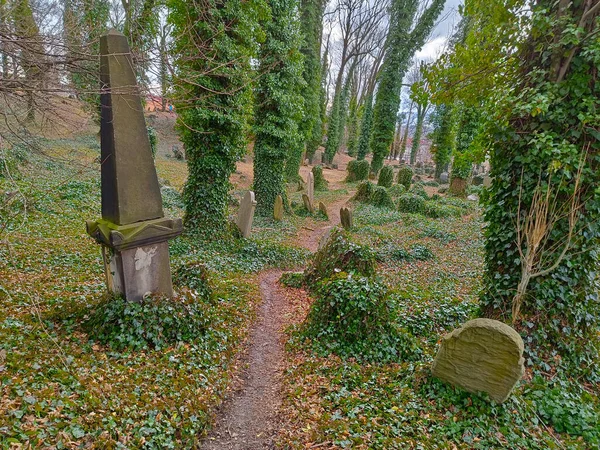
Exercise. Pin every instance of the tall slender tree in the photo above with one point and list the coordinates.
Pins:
(365, 129)
(311, 19)
(212, 55)
(279, 144)
(407, 33)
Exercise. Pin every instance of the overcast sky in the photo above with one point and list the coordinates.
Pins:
(436, 43)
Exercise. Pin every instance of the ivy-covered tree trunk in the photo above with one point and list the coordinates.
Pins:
(551, 128)
(462, 164)
(311, 20)
(278, 114)
(353, 124)
(213, 99)
(443, 137)
(416, 143)
(366, 127)
(403, 41)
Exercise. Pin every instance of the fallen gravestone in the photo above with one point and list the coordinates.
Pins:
(346, 218)
(444, 178)
(310, 187)
(278, 209)
(133, 231)
(323, 209)
(483, 355)
(246, 214)
(307, 203)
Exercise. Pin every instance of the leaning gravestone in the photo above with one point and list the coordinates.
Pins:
(444, 177)
(323, 209)
(483, 355)
(307, 203)
(246, 214)
(346, 218)
(133, 231)
(278, 209)
(310, 187)
(487, 181)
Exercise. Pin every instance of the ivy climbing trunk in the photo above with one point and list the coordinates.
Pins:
(278, 114)
(551, 127)
(311, 15)
(403, 40)
(416, 143)
(366, 127)
(213, 100)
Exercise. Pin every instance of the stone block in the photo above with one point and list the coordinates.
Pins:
(307, 203)
(444, 178)
(483, 355)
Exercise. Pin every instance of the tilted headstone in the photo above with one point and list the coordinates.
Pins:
(487, 181)
(246, 214)
(444, 177)
(346, 218)
(278, 209)
(307, 203)
(323, 209)
(483, 355)
(133, 230)
(310, 187)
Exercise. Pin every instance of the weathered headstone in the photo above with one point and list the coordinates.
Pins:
(346, 218)
(323, 209)
(487, 181)
(246, 214)
(324, 239)
(307, 203)
(306, 162)
(278, 209)
(483, 355)
(310, 187)
(444, 177)
(133, 231)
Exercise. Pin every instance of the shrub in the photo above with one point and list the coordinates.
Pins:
(153, 323)
(440, 211)
(292, 279)
(364, 192)
(419, 190)
(386, 177)
(380, 197)
(411, 203)
(195, 276)
(357, 170)
(321, 184)
(339, 254)
(354, 317)
(404, 176)
(11, 159)
(397, 190)
(153, 138)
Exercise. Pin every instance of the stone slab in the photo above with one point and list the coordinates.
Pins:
(245, 215)
(310, 187)
(346, 218)
(278, 209)
(483, 355)
(307, 203)
(444, 177)
(323, 209)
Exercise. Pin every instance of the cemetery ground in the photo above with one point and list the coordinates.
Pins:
(81, 371)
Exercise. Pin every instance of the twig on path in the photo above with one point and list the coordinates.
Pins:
(308, 228)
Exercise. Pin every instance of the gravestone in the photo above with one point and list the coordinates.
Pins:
(477, 180)
(310, 187)
(444, 178)
(278, 209)
(307, 203)
(323, 209)
(306, 162)
(483, 355)
(133, 231)
(346, 218)
(487, 181)
(246, 214)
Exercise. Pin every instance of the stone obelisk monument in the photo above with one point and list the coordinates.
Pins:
(133, 231)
